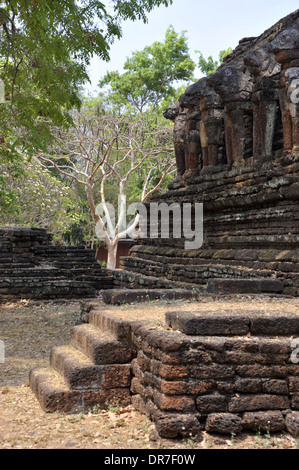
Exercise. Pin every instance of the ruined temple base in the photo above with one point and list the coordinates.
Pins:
(250, 232)
(213, 369)
(32, 267)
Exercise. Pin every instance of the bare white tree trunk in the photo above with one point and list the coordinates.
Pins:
(112, 256)
(93, 159)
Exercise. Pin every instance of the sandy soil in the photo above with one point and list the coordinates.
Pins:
(30, 329)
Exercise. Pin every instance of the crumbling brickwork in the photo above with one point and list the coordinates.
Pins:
(236, 146)
(224, 374)
(32, 267)
(217, 372)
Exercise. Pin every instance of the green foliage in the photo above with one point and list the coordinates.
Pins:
(109, 157)
(45, 50)
(30, 196)
(151, 74)
(8, 197)
(209, 65)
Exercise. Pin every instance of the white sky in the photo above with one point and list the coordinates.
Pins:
(210, 25)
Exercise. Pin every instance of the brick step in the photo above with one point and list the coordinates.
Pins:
(80, 373)
(5, 246)
(265, 259)
(44, 288)
(53, 274)
(100, 347)
(54, 395)
(23, 271)
(76, 261)
(52, 392)
(164, 252)
(200, 272)
(42, 282)
(131, 278)
(95, 369)
(12, 263)
(86, 274)
(123, 296)
(248, 324)
(117, 327)
(54, 249)
(244, 286)
(151, 264)
(205, 269)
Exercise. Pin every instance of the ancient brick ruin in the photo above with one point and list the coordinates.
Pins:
(223, 372)
(32, 267)
(236, 138)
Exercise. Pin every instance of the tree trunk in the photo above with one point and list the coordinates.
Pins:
(111, 260)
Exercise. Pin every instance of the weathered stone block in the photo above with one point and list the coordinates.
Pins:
(172, 425)
(258, 402)
(258, 370)
(191, 356)
(52, 393)
(242, 286)
(180, 403)
(293, 385)
(213, 325)
(224, 423)
(292, 423)
(265, 421)
(123, 296)
(275, 326)
(187, 387)
(211, 403)
(226, 388)
(295, 401)
(214, 371)
(170, 372)
(104, 398)
(248, 385)
(279, 387)
(116, 375)
(100, 347)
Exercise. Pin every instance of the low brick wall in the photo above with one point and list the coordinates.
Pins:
(32, 267)
(227, 375)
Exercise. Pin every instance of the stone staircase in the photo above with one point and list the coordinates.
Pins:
(93, 370)
(31, 267)
(221, 372)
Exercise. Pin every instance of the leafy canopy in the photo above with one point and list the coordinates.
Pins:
(45, 49)
(151, 74)
(209, 65)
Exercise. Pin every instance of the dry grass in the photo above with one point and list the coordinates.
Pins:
(30, 329)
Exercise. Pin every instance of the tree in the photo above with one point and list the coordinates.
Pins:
(45, 51)
(36, 198)
(210, 65)
(105, 151)
(151, 74)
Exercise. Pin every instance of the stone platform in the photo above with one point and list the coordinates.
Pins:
(32, 267)
(236, 144)
(219, 372)
(250, 230)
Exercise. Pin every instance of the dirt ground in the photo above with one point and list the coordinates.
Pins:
(29, 329)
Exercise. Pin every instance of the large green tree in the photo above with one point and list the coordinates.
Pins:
(209, 65)
(152, 74)
(45, 51)
(37, 198)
